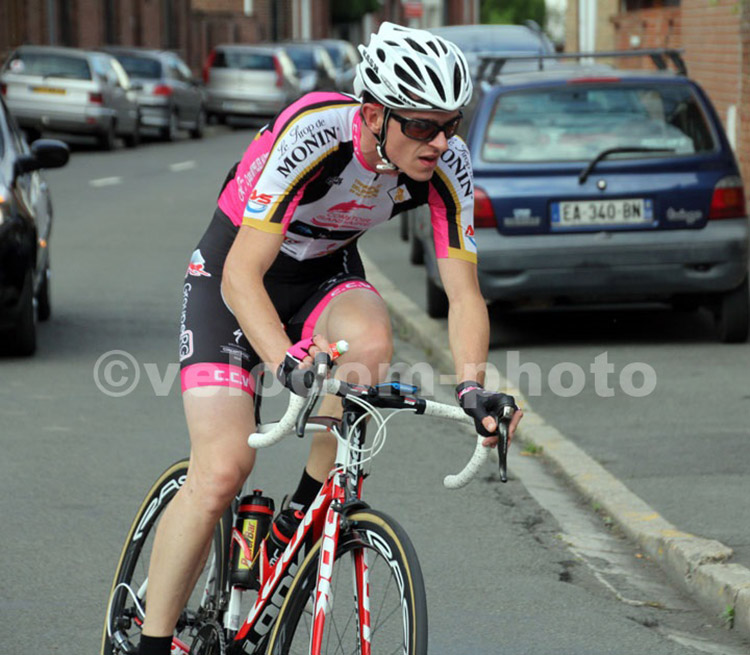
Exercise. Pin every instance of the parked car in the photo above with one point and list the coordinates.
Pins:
(345, 58)
(599, 184)
(249, 81)
(71, 91)
(500, 40)
(170, 98)
(25, 221)
(314, 66)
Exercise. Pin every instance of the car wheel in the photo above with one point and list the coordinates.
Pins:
(169, 133)
(733, 314)
(44, 305)
(22, 336)
(200, 125)
(403, 226)
(416, 248)
(437, 300)
(108, 138)
(133, 139)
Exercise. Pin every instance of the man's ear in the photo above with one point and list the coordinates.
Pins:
(372, 113)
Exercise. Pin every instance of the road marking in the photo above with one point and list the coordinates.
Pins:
(182, 166)
(105, 181)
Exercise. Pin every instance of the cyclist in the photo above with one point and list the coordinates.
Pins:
(277, 277)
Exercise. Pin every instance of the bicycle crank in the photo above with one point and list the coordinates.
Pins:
(209, 640)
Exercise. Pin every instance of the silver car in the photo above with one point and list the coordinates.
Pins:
(314, 66)
(72, 91)
(170, 98)
(249, 81)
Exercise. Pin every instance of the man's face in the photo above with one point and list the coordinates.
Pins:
(418, 159)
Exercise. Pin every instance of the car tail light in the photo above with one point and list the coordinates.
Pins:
(279, 72)
(3, 88)
(207, 66)
(96, 98)
(484, 215)
(728, 200)
(162, 90)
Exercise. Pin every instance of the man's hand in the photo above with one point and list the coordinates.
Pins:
(484, 407)
(299, 357)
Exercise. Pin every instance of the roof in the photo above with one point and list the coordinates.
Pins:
(508, 38)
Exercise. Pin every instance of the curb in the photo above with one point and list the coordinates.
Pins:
(699, 566)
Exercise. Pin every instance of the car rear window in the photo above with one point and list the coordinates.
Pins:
(49, 65)
(578, 121)
(141, 67)
(243, 60)
(303, 59)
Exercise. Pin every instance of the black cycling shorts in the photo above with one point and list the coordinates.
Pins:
(213, 349)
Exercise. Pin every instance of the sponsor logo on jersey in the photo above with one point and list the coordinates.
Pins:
(348, 206)
(400, 194)
(469, 234)
(197, 265)
(341, 221)
(258, 203)
(460, 165)
(308, 141)
(363, 190)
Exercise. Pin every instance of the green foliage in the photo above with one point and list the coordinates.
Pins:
(512, 11)
(348, 11)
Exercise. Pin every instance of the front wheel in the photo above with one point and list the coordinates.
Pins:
(127, 599)
(373, 554)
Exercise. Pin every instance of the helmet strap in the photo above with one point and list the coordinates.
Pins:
(387, 164)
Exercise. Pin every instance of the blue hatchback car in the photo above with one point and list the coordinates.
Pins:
(595, 184)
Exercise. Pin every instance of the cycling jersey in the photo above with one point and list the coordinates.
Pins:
(304, 176)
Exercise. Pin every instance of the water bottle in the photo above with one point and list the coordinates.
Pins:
(253, 520)
(281, 532)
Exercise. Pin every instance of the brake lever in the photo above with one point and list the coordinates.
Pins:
(503, 433)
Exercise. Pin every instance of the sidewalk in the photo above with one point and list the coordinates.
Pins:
(701, 567)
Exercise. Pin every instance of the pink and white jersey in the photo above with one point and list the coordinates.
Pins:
(304, 176)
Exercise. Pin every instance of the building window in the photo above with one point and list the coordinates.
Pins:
(110, 21)
(635, 5)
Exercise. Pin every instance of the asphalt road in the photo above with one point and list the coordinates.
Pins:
(76, 459)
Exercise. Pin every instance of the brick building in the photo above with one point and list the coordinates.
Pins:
(715, 37)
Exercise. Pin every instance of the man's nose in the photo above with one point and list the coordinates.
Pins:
(440, 142)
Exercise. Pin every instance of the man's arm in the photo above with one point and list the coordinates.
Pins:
(468, 321)
(249, 258)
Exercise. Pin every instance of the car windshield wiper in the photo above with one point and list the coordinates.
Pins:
(611, 151)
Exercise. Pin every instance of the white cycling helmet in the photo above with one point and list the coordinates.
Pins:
(404, 68)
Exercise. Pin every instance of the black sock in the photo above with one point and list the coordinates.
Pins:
(307, 489)
(155, 645)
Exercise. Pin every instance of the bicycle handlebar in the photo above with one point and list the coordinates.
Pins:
(288, 424)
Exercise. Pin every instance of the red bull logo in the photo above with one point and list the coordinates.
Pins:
(197, 265)
(349, 206)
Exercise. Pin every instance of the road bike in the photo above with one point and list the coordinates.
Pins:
(349, 580)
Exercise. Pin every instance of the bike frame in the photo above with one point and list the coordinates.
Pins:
(323, 519)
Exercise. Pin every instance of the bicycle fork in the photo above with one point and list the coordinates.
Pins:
(323, 590)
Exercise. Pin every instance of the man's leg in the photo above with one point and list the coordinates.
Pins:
(360, 317)
(219, 421)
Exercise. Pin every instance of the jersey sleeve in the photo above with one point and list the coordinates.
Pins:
(297, 152)
(451, 201)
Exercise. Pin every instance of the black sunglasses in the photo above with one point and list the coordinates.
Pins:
(422, 130)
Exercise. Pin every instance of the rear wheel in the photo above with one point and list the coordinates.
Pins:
(133, 139)
(44, 304)
(122, 625)
(169, 132)
(395, 609)
(108, 138)
(200, 125)
(733, 314)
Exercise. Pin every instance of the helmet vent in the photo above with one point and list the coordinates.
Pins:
(403, 75)
(443, 46)
(457, 78)
(412, 64)
(416, 46)
(434, 47)
(373, 78)
(437, 83)
(392, 100)
(381, 54)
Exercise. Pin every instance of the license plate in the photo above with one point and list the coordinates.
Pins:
(48, 89)
(597, 214)
(240, 106)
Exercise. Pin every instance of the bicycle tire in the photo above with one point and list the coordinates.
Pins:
(391, 557)
(132, 568)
